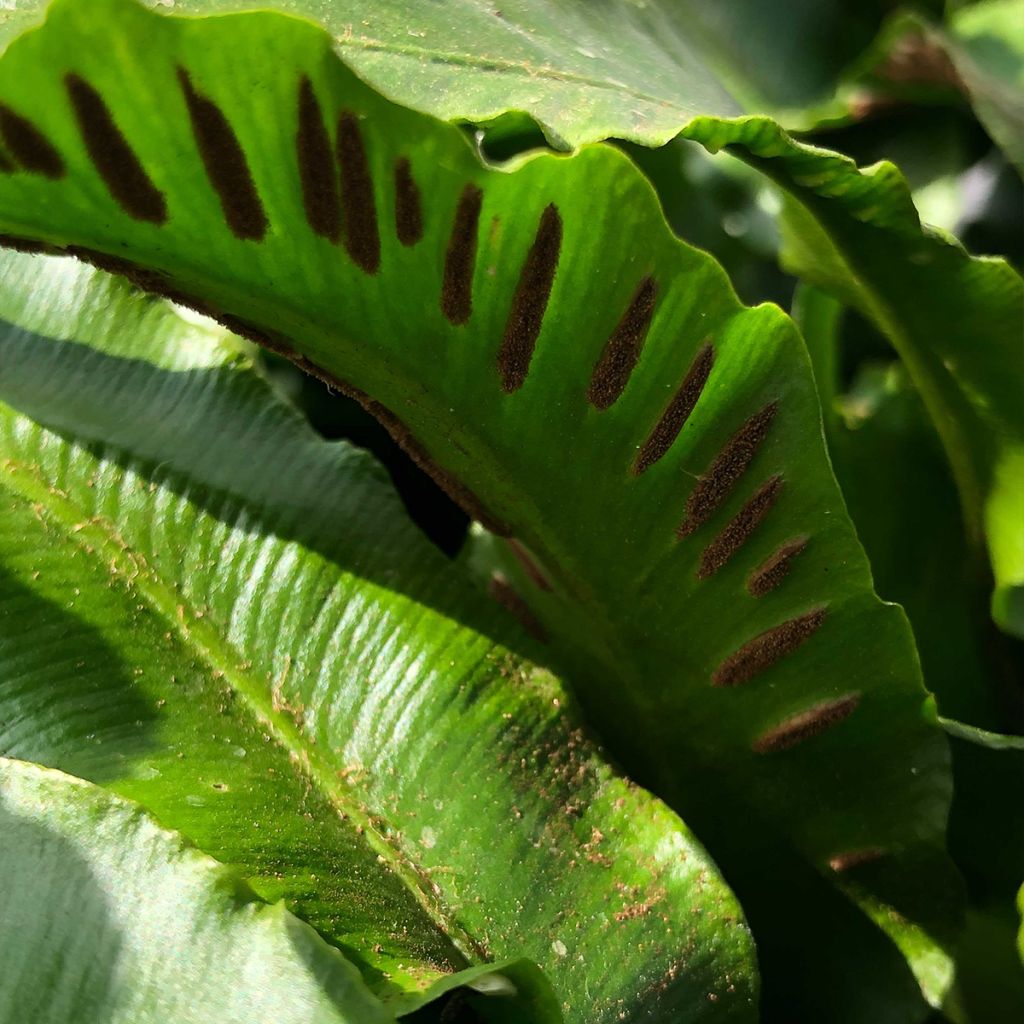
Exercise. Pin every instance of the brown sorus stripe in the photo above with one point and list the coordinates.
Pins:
(148, 280)
(362, 239)
(739, 529)
(729, 465)
(772, 571)
(678, 412)
(115, 160)
(529, 563)
(6, 167)
(767, 648)
(622, 350)
(530, 301)
(457, 288)
(805, 724)
(225, 163)
(317, 173)
(848, 860)
(507, 596)
(408, 204)
(30, 149)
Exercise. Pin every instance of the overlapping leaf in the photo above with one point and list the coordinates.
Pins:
(536, 334)
(107, 917)
(627, 69)
(208, 610)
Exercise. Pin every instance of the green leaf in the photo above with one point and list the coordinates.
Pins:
(207, 609)
(708, 593)
(983, 43)
(987, 840)
(988, 51)
(638, 71)
(981, 737)
(882, 444)
(956, 323)
(107, 916)
(983, 298)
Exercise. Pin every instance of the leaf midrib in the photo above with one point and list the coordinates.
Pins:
(503, 65)
(99, 539)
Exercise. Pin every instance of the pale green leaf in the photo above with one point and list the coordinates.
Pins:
(106, 916)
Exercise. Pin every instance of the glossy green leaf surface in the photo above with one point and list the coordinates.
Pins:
(537, 334)
(585, 72)
(882, 444)
(863, 235)
(208, 610)
(105, 916)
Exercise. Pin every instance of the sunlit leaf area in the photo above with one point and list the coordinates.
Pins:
(511, 511)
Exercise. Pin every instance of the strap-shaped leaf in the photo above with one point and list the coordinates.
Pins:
(106, 916)
(209, 610)
(635, 71)
(956, 321)
(536, 334)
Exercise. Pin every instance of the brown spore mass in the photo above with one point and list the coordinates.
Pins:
(766, 649)
(739, 528)
(362, 238)
(530, 301)
(622, 350)
(805, 724)
(225, 163)
(774, 569)
(729, 465)
(457, 287)
(115, 160)
(408, 204)
(30, 149)
(510, 599)
(317, 173)
(674, 418)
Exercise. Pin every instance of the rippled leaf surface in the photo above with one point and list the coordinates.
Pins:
(208, 610)
(578, 377)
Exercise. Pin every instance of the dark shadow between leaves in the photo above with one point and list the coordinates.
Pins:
(217, 436)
